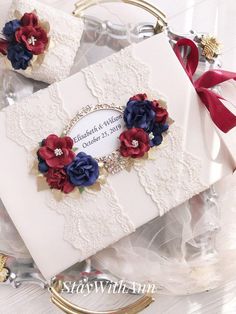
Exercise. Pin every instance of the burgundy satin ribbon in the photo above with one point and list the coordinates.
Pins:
(223, 118)
(3, 46)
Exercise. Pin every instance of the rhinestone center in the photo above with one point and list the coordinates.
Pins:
(32, 40)
(151, 136)
(58, 152)
(135, 143)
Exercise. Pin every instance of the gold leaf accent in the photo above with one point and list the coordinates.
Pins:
(36, 61)
(102, 174)
(95, 187)
(34, 170)
(210, 47)
(7, 63)
(146, 156)
(17, 14)
(3, 260)
(50, 46)
(100, 164)
(151, 153)
(58, 195)
(45, 25)
(4, 274)
(29, 69)
(162, 102)
(129, 164)
(170, 121)
(41, 183)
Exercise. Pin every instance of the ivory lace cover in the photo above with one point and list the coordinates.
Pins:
(60, 233)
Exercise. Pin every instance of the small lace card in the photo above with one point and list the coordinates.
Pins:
(39, 41)
(89, 159)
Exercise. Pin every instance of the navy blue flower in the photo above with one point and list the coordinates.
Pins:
(83, 170)
(139, 114)
(42, 166)
(156, 134)
(41, 144)
(19, 56)
(10, 28)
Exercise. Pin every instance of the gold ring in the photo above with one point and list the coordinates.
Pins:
(70, 308)
(81, 6)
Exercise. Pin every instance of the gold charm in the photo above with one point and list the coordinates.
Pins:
(210, 47)
(4, 272)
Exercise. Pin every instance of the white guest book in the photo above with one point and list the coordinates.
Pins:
(191, 157)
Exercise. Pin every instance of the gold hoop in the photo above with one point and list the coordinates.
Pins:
(70, 308)
(81, 6)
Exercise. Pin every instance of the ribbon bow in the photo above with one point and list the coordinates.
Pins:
(223, 118)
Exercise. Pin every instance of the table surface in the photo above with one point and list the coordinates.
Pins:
(216, 17)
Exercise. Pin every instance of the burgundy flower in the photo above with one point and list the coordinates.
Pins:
(139, 97)
(34, 38)
(57, 151)
(3, 46)
(161, 113)
(134, 143)
(58, 179)
(29, 19)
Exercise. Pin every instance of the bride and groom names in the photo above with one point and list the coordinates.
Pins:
(99, 131)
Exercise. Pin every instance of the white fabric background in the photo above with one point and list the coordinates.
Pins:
(214, 16)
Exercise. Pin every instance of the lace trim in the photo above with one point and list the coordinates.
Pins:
(112, 79)
(28, 121)
(65, 33)
(93, 221)
(173, 175)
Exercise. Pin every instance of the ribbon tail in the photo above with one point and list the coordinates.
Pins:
(212, 78)
(223, 118)
(3, 46)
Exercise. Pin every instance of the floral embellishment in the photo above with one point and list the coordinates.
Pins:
(146, 122)
(57, 151)
(65, 170)
(211, 47)
(29, 19)
(83, 170)
(18, 56)
(59, 180)
(4, 271)
(10, 28)
(34, 38)
(155, 136)
(139, 113)
(25, 39)
(134, 143)
(62, 169)
(161, 113)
